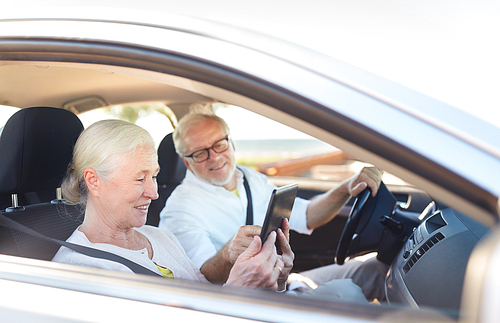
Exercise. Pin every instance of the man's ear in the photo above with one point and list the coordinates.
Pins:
(92, 181)
(186, 163)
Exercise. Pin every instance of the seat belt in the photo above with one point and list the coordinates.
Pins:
(249, 200)
(91, 252)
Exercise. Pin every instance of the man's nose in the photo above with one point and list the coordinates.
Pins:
(212, 154)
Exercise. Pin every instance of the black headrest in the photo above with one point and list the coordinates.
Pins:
(36, 146)
(172, 168)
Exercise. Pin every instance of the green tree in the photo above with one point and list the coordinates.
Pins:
(132, 113)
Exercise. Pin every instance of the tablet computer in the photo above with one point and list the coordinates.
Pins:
(279, 208)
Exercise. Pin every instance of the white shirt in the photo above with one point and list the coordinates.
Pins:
(167, 252)
(204, 217)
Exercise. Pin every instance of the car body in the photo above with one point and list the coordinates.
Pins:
(84, 59)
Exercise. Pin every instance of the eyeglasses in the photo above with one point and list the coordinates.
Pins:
(201, 155)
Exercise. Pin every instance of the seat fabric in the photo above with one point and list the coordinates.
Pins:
(36, 146)
(172, 172)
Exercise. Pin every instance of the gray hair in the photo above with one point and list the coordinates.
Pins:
(189, 121)
(101, 147)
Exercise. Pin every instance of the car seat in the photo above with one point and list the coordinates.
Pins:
(36, 147)
(172, 172)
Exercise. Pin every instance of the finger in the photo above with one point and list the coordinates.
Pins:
(286, 228)
(253, 249)
(358, 188)
(374, 182)
(242, 242)
(374, 187)
(287, 255)
(283, 241)
(279, 264)
(245, 234)
(278, 269)
(269, 248)
(271, 239)
(274, 286)
(250, 230)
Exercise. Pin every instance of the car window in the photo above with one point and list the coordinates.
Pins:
(5, 113)
(156, 118)
(271, 147)
(278, 150)
(263, 144)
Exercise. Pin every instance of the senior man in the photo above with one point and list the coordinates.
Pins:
(207, 212)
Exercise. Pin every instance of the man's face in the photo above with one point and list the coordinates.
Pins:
(219, 168)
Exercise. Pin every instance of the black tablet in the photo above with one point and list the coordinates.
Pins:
(280, 207)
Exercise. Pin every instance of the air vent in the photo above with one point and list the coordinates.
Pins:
(420, 251)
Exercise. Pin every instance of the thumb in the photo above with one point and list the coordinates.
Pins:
(253, 249)
(251, 230)
(358, 188)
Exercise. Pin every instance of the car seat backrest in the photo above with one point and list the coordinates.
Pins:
(36, 147)
(172, 172)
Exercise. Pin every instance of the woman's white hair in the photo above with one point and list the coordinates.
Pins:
(101, 147)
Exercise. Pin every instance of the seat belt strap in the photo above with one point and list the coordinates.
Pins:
(249, 200)
(91, 252)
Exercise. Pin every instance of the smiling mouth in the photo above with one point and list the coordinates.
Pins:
(144, 207)
(217, 168)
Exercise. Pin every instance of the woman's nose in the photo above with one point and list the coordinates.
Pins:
(151, 189)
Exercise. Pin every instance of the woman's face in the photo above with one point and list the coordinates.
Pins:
(124, 199)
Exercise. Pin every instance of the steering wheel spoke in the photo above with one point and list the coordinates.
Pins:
(351, 225)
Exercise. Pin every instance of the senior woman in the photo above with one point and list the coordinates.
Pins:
(113, 174)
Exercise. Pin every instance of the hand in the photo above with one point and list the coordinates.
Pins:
(287, 256)
(217, 268)
(257, 267)
(241, 240)
(368, 177)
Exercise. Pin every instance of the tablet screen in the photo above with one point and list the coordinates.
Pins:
(279, 208)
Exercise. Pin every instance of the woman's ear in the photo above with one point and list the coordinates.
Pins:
(92, 181)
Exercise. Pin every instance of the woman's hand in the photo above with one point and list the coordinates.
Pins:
(287, 256)
(241, 241)
(258, 267)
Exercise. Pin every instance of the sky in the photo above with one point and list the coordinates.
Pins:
(447, 49)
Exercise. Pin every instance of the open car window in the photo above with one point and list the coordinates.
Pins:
(275, 149)
(261, 143)
(5, 113)
(271, 147)
(155, 117)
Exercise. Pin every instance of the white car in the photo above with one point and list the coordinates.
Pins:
(440, 235)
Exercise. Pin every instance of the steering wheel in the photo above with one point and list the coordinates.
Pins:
(355, 215)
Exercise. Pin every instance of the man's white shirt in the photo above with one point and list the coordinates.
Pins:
(204, 217)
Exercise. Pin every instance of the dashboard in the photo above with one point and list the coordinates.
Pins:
(429, 270)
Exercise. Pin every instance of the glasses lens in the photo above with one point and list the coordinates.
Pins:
(220, 146)
(200, 156)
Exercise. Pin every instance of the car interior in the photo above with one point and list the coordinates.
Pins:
(36, 146)
(172, 172)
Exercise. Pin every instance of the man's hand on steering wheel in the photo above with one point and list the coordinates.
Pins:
(367, 177)
(367, 182)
